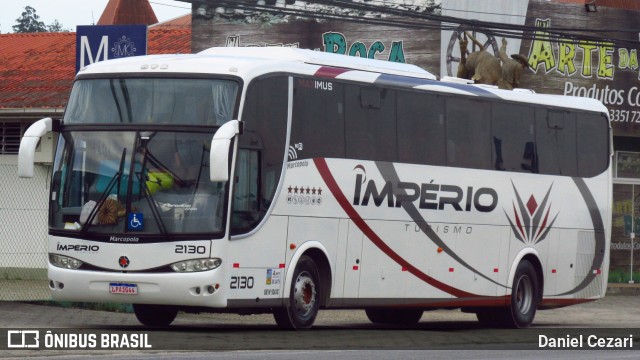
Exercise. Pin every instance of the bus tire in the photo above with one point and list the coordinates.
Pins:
(394, 316)
(525, 295)
(155, 315)
(303, 304)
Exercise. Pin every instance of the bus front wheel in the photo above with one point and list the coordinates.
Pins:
(304, 297)
(155, 315)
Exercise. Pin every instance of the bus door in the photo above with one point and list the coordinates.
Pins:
(353, 263)
(381, 276)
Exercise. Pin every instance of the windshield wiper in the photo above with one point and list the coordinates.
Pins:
(103, 196)
(152, 204)
(142, 180)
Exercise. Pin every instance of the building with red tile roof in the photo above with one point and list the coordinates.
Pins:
(37, 69)
(123, 12)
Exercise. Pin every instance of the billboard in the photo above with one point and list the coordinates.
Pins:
(103, 42)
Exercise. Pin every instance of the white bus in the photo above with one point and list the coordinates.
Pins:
(284, 181)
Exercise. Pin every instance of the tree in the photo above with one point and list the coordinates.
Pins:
(28, 22)
(56, 26)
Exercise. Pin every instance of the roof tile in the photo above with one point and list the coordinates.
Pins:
(37, 69)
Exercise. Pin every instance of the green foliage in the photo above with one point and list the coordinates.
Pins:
(622, 276)
(112, 307)
(29, 22)
(56, 26)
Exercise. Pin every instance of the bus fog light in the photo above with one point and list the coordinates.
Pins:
(196, 265)
(64, 262)
(211, 289)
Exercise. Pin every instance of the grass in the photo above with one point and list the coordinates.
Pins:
(113, 307)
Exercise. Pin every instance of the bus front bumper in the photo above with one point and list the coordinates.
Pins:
(184, 289)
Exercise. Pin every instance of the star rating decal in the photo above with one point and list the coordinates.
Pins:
(304, 195)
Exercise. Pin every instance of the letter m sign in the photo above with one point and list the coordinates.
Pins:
(104, 42)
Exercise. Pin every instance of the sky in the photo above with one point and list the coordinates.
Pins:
(71, 13)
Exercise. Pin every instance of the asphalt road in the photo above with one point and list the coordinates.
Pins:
(336, 332)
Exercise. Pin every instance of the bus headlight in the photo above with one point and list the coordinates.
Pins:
(196, 265)
(64, 262)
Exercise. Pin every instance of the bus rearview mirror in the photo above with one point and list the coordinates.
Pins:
(220, 150)
(28, 144)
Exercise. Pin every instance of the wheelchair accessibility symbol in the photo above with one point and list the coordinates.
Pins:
(135, 221)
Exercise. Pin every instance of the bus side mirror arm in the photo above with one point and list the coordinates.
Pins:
(29, 142)
(220, 147)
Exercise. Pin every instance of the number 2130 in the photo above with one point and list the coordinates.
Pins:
(242, 282)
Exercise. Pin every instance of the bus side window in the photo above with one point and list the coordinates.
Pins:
(261, 150)
(421, 128)
(556, 142)
(317, 127)
(593, 144)
(468, 133)
(246, 204)
(514, 147)
(370, 123)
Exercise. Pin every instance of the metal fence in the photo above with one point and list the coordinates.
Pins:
(23, 234)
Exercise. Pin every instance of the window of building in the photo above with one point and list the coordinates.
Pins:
(10, 135)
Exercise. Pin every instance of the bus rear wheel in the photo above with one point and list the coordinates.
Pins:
(304, 297)
(155, 315)
(525, 296)
(394, 316)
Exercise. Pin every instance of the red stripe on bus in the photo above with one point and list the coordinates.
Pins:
(322, 167)
(330, 72)
(485, 301)
(563, 302)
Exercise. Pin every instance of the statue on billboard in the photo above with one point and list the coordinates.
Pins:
(484, 68)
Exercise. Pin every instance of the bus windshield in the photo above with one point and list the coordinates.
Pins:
(140, 182)
(175, 101)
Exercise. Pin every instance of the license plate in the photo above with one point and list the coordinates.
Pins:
(122, 288)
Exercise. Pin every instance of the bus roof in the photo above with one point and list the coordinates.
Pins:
(254, 61)
(322, 58)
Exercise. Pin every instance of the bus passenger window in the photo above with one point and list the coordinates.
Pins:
(317, 128)
(514, 146)
(370, 127)
(530, 158)
(421, 137)
(556, 142)
(468, 129)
